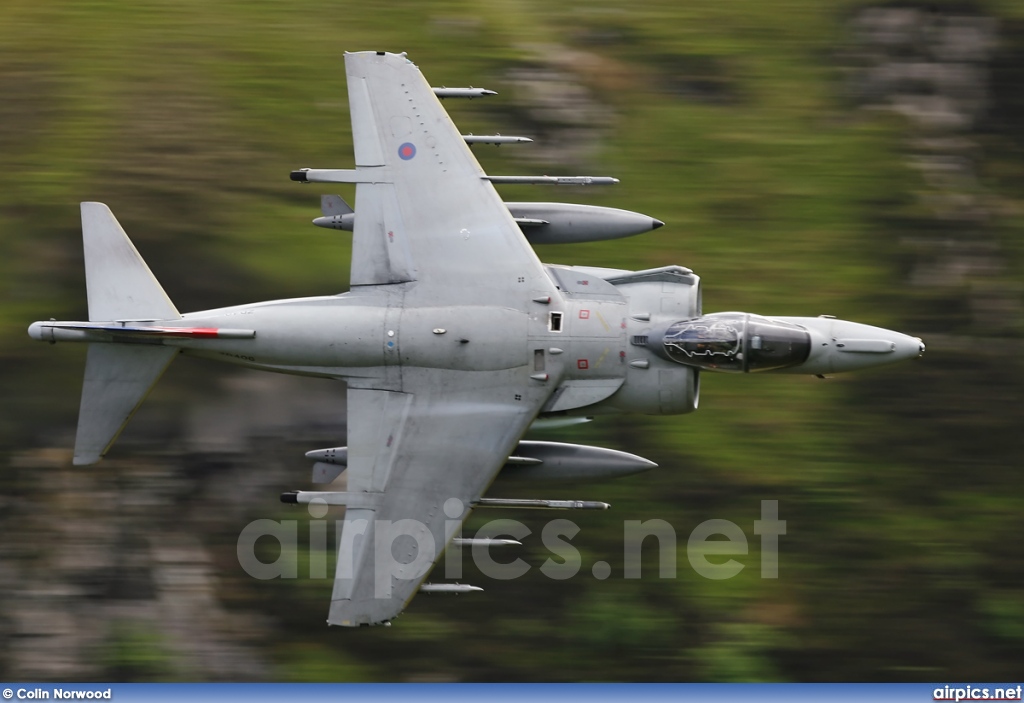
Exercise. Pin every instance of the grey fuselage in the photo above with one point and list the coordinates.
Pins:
(583, 338)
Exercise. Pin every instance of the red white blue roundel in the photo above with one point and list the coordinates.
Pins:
(407, 151)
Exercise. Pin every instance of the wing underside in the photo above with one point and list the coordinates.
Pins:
(418, 459)
(434, 235)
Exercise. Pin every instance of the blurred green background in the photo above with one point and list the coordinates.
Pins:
(855, 158)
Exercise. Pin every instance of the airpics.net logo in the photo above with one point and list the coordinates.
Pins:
(406, 549)
(977, 693)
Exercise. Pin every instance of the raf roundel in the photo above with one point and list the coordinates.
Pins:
(407, 151)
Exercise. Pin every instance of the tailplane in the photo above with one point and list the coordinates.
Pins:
(118, 377)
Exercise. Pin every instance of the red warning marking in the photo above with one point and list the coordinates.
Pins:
(584, 314)
(583, 364)
(391, 236)
(391, 438)
(207, 332)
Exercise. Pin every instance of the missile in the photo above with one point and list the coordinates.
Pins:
(531, 461)
(337, 456)
(485, 542)
(348, 175)
(496, 139)
(469, 93)
(450, 588)
(329, 463)
(537, 504)
(553, 180)
(541, 223)
(337, 214)
(366, 500)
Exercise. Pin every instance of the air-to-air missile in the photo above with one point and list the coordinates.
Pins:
(365, 500)
(470, 93)
(448, 588)
(542, 223)
(337, 214)
(495, 139)
(485, 542)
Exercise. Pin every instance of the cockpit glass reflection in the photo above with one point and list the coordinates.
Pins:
(737, 342)
(709, 342)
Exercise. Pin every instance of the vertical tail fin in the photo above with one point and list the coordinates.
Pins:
(117, 376)
(119, 284)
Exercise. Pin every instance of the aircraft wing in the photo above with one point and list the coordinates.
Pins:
(425, 211)
(417, 461)
(434, 237)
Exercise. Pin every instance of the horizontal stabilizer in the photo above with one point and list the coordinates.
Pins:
(117, 379)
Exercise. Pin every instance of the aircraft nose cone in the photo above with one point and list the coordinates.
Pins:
(655, 224)
(905, 346)
(851, 346)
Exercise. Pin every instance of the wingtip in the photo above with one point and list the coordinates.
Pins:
(88, 205)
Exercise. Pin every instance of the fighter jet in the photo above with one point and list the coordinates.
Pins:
(453, 340)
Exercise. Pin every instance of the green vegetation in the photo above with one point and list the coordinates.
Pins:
(785, 189)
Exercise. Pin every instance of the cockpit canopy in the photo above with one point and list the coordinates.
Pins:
(735, 342)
